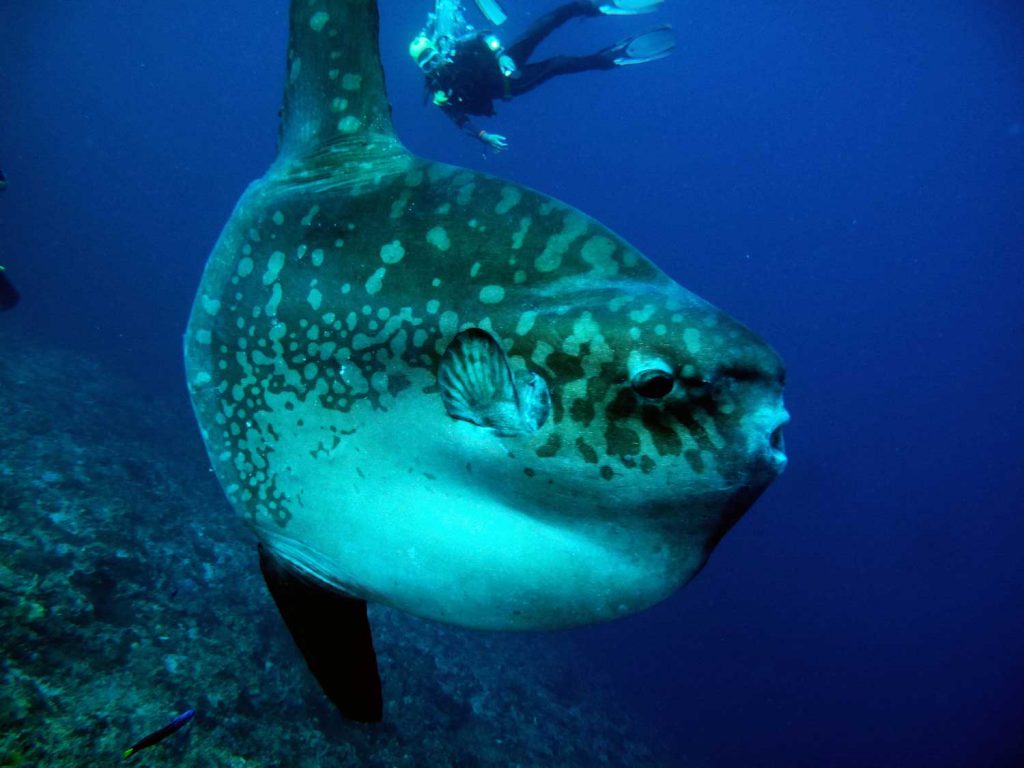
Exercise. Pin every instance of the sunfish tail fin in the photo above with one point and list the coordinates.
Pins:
(335, 99)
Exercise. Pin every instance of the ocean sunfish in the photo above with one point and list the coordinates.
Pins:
(434, 389)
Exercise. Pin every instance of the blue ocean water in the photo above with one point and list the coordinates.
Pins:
(847, 179)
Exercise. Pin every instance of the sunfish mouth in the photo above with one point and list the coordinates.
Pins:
(777, 443)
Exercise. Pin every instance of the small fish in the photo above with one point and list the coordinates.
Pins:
(159, 735)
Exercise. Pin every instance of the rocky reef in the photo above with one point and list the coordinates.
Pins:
(129, 592)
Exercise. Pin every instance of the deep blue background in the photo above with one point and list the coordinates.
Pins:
(845, 177)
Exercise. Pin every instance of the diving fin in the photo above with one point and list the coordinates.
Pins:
(628, 7)
(333, 633)
(642, 47)
(492, 11)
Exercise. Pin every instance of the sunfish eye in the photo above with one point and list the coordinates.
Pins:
(653, 384)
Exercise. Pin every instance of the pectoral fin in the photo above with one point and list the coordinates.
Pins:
(477, 385)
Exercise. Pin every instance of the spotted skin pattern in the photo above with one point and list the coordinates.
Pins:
(325, 309)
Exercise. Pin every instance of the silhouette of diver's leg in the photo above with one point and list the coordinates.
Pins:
(523, 48)
(532, 75)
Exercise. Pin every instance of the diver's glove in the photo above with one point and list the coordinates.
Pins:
(494, 140)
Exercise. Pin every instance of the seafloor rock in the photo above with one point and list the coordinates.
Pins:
(130, 592)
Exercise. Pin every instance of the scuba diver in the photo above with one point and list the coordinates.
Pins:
(466, 70)
(8, 295)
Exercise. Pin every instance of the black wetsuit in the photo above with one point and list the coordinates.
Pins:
(8, 295)
(473, 79)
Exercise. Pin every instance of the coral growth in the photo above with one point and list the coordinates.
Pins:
(130, 592)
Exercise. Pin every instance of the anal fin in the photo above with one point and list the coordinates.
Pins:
(333, 633)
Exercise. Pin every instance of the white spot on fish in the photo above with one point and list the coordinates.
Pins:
(273, 267)
(642, 315)
(584, 330)
(540, 354)
(319, 20)
(466, 194)
(492, 294)
(314, 298)
(438, 237)
(278, 218)
(379, 381)
(398, 207)
(392, 253)
(308, 218)
(351, 82)
(275, 299)
(376, 280)
(520, 234)
(449, 323)
(597, 251)
(691, 340)
(526, 321)
(510, 197)
(210, 306)
(349, 124)
(619, 302)
(551, 258)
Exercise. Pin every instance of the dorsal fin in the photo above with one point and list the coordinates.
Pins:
(335, 102)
